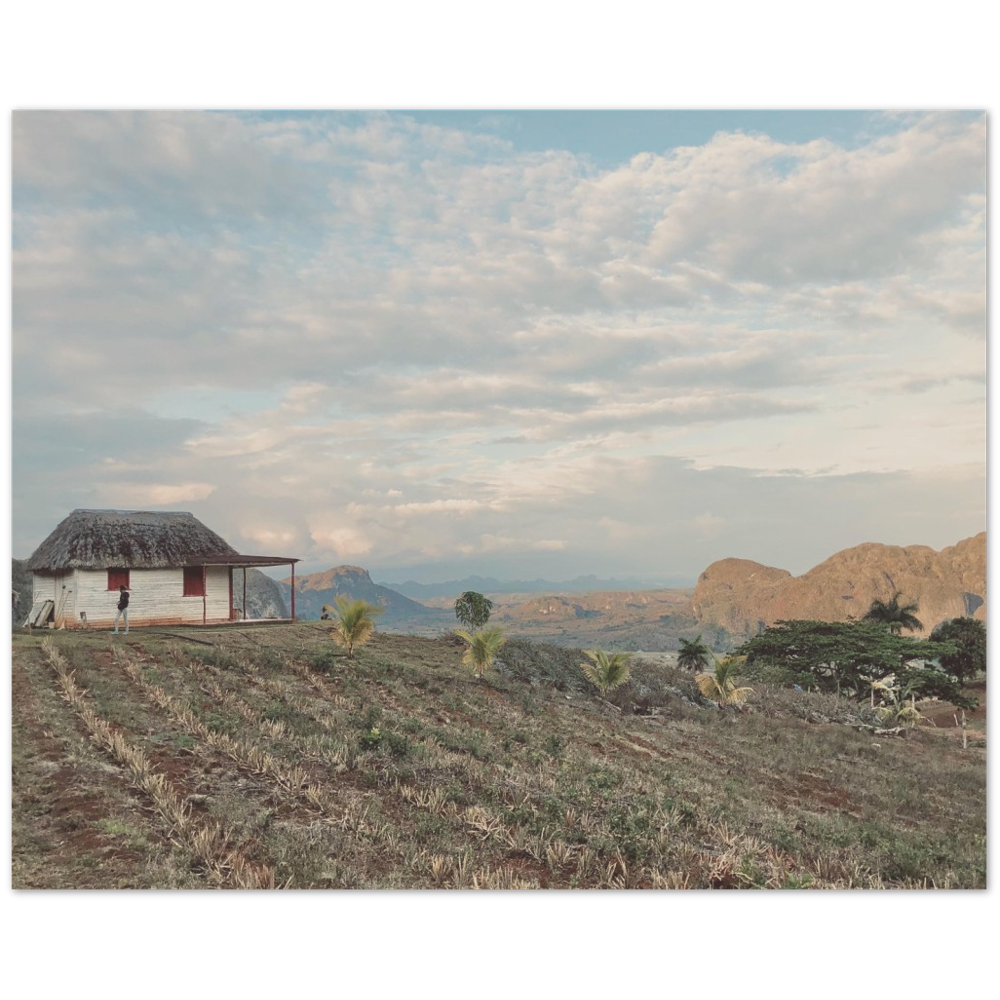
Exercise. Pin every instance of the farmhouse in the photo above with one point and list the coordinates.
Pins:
(177, 571)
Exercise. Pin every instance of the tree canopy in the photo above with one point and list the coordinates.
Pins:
(895, 615)
(721, 683)
(692, 653)
(473, 610)
(606, 671)
(968, 636)
(481, 648)
(846, 656)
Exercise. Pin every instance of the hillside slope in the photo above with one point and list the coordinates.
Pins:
(264, 596)
(245, 758)
(20, 578)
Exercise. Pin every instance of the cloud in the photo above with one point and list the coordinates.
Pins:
(342, 543)
(145, 495)
(708, 524)
(359, 336)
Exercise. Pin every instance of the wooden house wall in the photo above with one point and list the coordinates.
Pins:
(156, 598)
(58, 588)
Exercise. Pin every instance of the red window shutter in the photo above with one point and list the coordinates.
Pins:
(194, 581)
(118, 578)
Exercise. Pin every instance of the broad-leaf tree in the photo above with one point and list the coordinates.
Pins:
(473, 610)
(481, 648)
(353, 622)
(693, 654)
(895, 615)
(846, 656)
(606, 671)
(968, 636)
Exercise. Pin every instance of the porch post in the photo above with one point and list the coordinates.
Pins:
(293, 591)
(204, 594)
(244, 593)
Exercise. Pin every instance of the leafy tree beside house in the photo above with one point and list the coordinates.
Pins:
(473, 610)
(968, 636)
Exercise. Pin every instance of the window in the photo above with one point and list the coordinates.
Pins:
(194, 581)
(118, 578)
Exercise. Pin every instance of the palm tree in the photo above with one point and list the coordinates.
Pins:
(481, 648)
(897, 711)
(606, 671)
(895, 616)
(720, 685)
(884, 685)
(693, 654)
(354, 622)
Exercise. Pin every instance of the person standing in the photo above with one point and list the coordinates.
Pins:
(122, 609)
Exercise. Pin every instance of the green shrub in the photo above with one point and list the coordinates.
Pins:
(397, 746)
(324, 662)
(370, 716)
(371, 739)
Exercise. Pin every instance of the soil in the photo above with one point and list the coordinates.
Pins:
(707, 798)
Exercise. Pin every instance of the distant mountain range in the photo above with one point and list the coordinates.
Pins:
(314, 590)
(490, 585)
(733, 598)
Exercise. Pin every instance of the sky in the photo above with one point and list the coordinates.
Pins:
(507, 343)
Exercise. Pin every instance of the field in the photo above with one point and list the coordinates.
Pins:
(261, 757)
(613, 619)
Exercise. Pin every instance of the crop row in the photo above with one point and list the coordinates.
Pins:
(209, 844)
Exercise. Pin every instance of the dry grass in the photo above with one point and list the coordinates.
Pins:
(208, 844)
(270, 761)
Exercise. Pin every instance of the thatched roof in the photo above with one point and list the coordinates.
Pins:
(138, 539)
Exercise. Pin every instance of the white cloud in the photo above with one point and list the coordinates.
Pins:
(458, 348)
(708, 524)
(343, 543)
(269, 538)
(139, 495)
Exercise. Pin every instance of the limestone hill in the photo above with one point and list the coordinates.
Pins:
(744, 596)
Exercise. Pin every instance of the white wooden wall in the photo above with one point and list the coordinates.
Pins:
(156, 597)
(58, 588)
(43, 588)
